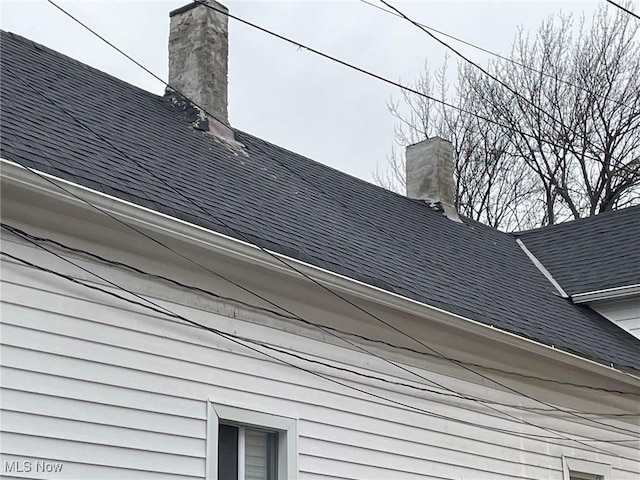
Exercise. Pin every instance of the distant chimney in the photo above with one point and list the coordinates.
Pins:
(429, 167)
(198, 53)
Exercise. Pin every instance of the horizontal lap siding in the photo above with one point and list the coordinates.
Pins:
(102, 456)
(115, 393)
(625, 313)
(100, 413)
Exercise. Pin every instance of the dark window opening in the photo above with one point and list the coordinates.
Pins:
(247, 453)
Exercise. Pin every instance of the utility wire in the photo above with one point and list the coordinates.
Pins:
(633, 14)
(502, 57)
(484, 71)
(404, 87)
(397, 84)
(286, 316)
(329, 57)
(150, 305)
(290, 266)
(120, 51)
(293, 42)
(34, 241)
(37, 241)
(274, 256)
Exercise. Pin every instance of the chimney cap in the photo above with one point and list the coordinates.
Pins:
(189, 6)
(430, 139)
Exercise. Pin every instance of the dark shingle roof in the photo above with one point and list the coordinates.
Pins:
(336, 221)
(590, 254)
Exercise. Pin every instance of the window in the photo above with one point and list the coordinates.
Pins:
(583, 476)
(247, 453)
(248, 445)
(577, 469)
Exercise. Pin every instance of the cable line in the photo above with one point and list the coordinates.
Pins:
(150, 305)
(502, 57)
(334, 59)
(290, 266)
(286, 316)
(404, 87)
(489, 74)
(36, 241)
(633, 14)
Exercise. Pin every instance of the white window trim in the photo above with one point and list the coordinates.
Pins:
(577, 465)
(287, 438)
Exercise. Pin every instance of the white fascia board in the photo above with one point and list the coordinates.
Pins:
(238, 249)
(606, 294)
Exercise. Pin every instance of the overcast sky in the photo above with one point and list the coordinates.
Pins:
(288, 96)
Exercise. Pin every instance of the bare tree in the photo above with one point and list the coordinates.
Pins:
(567, 145)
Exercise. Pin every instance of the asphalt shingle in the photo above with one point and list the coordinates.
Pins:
(590, 254)
(151, 155)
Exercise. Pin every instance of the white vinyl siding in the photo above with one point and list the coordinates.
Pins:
(114, 391)
(625, 313)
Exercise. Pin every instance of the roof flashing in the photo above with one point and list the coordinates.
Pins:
(542, 268)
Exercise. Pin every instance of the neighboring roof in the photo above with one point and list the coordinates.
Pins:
(590, 254)
(331, 220)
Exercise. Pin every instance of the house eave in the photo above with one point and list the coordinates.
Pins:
(607, 294)
(45, 184)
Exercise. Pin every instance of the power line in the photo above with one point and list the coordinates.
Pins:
(359, 347)
(404, 87)
(396, 84)
(485, 71)
(242, 235)
(288, 265)
(150, 305)
(293, 42)
(129, 57)
(502, 57)
(279, 259)
(455, 394)
(374, 225)
(633, 14)
(37, 240)
(34, 241)
(334, 59)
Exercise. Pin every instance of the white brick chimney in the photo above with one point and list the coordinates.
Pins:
(429, 170)
(198, 56)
